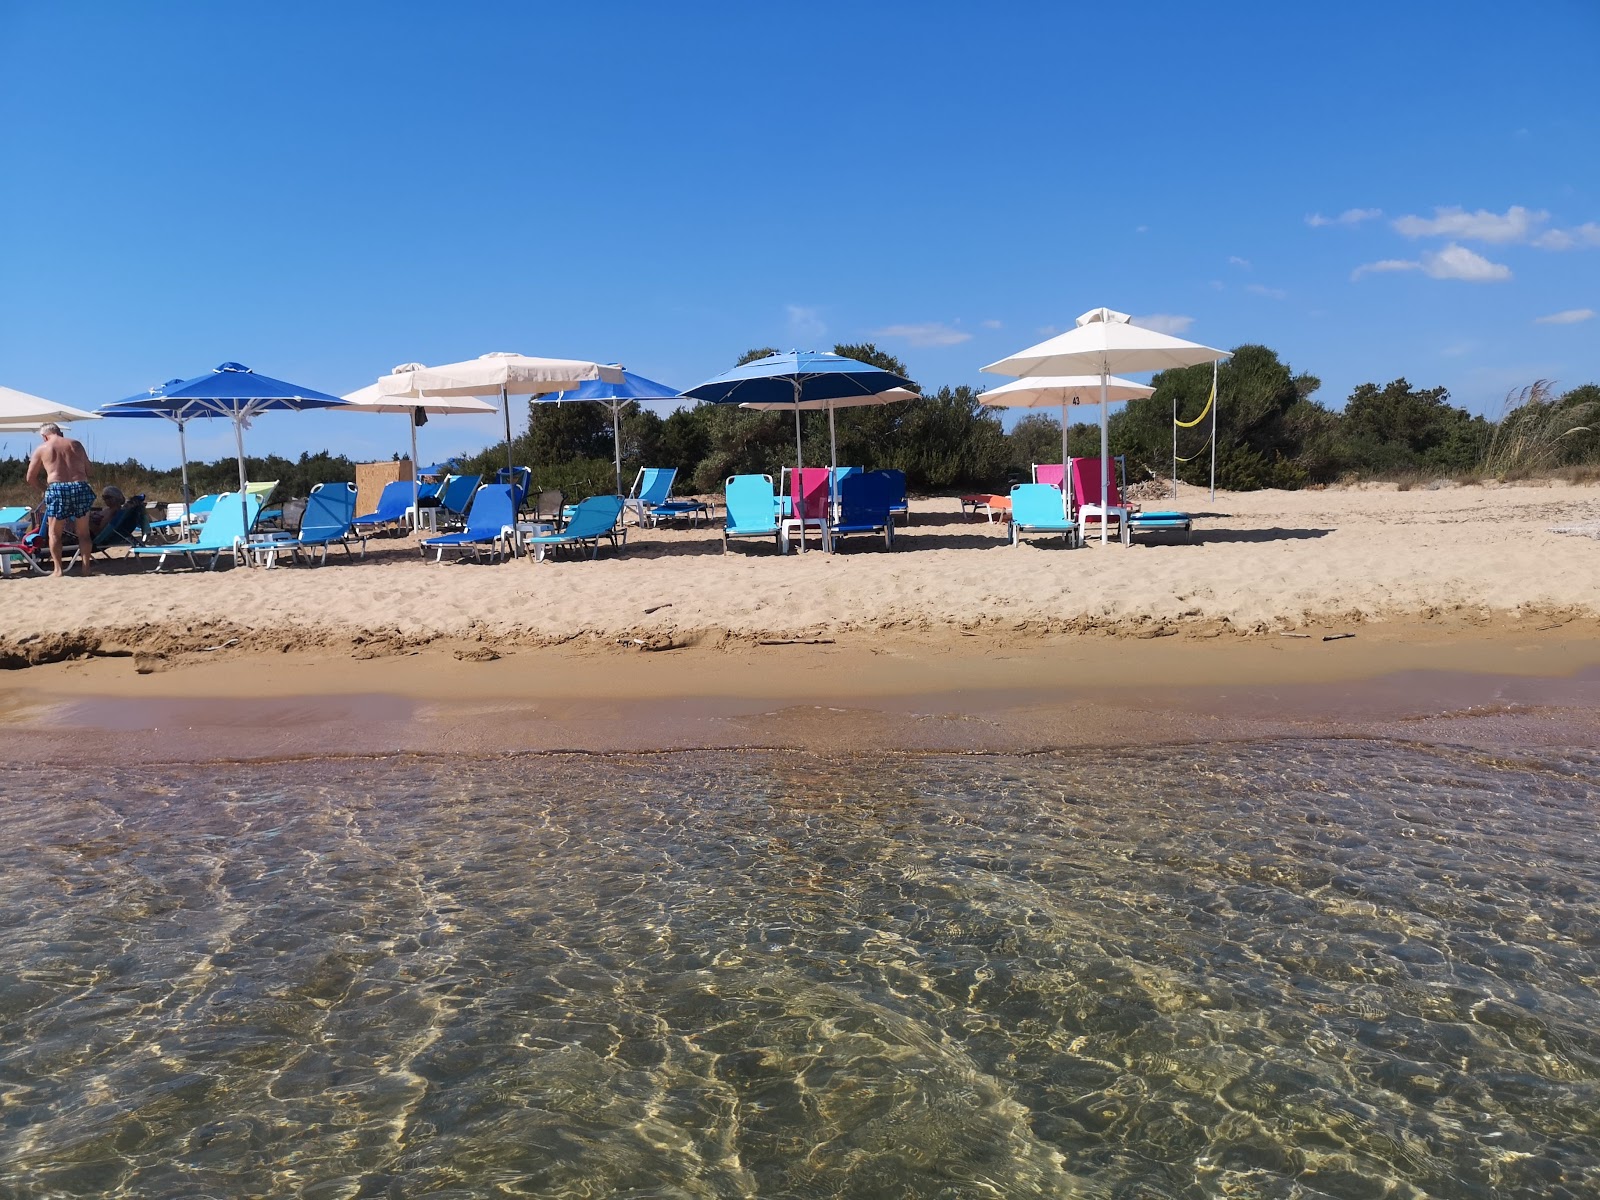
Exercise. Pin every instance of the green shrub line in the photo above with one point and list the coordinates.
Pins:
(1270, 433)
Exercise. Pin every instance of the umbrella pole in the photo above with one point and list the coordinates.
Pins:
(416, 517)
(1174, 445)
(1066, 498)
(616, 439)
(183, 458)
(244, 482)
(1214, 412)
(505, 403)
(1105, 458)
(799, 462)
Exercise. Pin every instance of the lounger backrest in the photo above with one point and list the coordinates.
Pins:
(330, 509)
(492, 510)
(594, 517)
(262, 491)
(1086, 483)
(751, 502)
(459, 491)
(1037, 504)
(809, 492)
(120, 531)
(865, 498)
(392, 501)
(1050, 473)
(654, 484)
(840, 474)
(429, 491)
(228, 522)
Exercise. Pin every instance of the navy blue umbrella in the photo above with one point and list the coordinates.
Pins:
(614, 395)
(798, 378)
(231, 390)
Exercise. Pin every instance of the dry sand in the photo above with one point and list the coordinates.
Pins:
(954, 640)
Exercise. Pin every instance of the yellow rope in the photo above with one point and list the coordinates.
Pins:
(1191, 424)
(1191, 457)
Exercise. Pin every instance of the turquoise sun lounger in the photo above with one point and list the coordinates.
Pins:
(592, 520)
(223, 533)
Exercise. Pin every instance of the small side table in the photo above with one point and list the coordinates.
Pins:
(519, 535)
(425, 518)
(262, 549)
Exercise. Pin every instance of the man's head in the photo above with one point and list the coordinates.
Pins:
(112, 497)
(50, 429)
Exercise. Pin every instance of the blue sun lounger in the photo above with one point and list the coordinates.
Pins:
(493, 519)
(195, 515)
(223, 533)
(750, 509)
(458, 494)
(329, 520)
(650, 498)
(865, 503)
(1037, 508)
(394, 502)
(592, 520)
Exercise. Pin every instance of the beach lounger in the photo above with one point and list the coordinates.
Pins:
(328, 520)
(11, 518)
(899, 507)
(1039, 508)
(649, 499)
(456, 496)
(750, 509)
(10, 550)
(394, 506)
(592, 520)
(492, 520)
(223, 533)
(1052, 474)
(193, 514)
(120, 531)
(864, 505)
(1085, 480)
(809, 507)
(520, 479)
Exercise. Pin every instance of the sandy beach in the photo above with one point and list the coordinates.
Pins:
(955, 640)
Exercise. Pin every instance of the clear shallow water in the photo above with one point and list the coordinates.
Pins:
(1347, 969)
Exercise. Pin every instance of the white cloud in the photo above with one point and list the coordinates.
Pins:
(1350, 216)
(1164, 323)
(991, 323)
(1387, 264)
(1569, 316)
(1457, 262)
(1271, 293)
(1516, 224)
(1453, 262)
(930, 333)
(805, 323)
(1235, 261)
(1582, 237)
(1141, 229)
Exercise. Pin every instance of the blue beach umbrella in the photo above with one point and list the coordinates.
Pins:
(230, 390)
(614, 396)
(797, 379)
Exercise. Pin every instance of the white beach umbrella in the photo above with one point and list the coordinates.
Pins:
(372, 399)
(1050, 391)
(21, 411)
(1103, 342)
(889, 396)
(502, 374)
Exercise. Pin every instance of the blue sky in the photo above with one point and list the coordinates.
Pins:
(323, 191)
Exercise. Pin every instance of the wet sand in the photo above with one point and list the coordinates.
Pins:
(1495, 687)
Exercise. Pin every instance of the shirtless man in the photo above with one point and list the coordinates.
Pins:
(60, 469)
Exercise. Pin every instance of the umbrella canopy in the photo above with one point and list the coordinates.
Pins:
(29, 412)
(130, 408)
(1103, 342)
(1049, 391)
(795, 379)
(499, 373)
(417, 407)
(233, 391)
(614, 396)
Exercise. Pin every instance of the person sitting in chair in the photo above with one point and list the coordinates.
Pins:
(111, 502)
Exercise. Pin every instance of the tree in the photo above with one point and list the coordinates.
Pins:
(1398, 428)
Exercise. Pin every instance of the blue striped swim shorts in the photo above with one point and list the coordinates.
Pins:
(68, 501)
